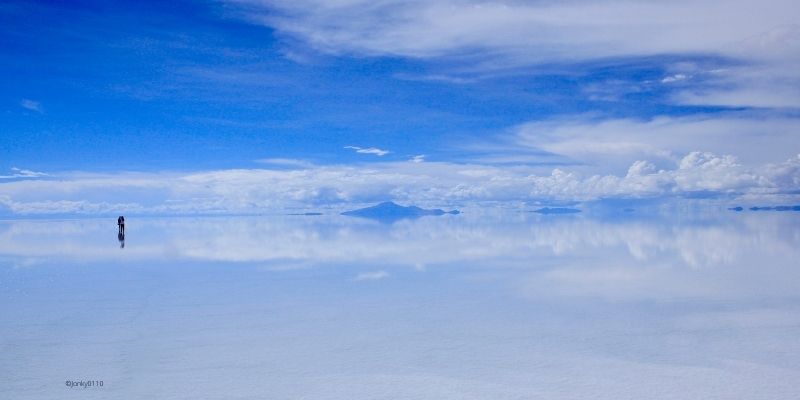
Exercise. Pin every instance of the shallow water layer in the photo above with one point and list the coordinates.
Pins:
(502, 306)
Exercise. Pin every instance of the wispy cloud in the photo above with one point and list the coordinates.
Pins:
(435, 78)
(674, 78)
(483, 36)
(763, 85)
(418, 158)
(532, 31)
(286, 162)
(31, 105)
(371, 276)
(18, 173)
(368, 150)
(613, 144)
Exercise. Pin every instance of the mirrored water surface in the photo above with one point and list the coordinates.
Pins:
(510, 305)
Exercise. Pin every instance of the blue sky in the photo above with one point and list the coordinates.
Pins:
(197, 106)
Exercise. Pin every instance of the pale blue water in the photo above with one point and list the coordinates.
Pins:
(507, 305)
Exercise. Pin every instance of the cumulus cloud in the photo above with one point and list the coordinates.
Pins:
(786, 174)
(599, 158)
(31, 105)
(434, 184)
(368, 150)
(705, 171)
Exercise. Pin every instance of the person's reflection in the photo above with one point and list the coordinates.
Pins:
(121, 238)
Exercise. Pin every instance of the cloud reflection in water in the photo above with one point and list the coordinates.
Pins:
(470, 306)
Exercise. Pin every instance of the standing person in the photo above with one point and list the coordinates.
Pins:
(121, 225)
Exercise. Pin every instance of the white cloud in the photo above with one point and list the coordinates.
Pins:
(68, 207)
(18, 173)
(368, 150)
(751, 85)
(539, 31)
(434, 78)
(706, 171)
(371, 276)
(767, 77)
(285, 162)
(763, 37)
(619, 158)
(31, 105)
(786, 174)
(674, 78)
(611, 145)
(435, 184)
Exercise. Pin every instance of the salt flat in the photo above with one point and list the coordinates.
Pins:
(507, 306)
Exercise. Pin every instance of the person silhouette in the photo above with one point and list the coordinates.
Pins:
(121, 238)
(121, 225)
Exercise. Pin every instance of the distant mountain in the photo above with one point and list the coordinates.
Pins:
(389, 211)
(775, 208)
(557, 210)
